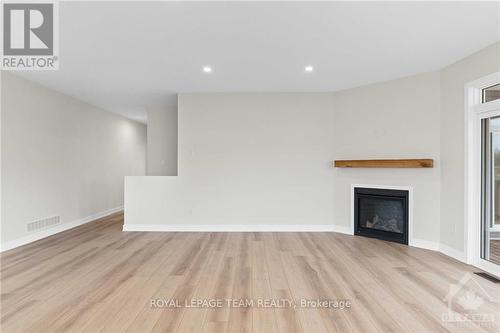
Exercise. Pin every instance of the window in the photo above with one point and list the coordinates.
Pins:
(490, 246)
(492, 93)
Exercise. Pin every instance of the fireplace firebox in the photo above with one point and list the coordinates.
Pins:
(381, 213)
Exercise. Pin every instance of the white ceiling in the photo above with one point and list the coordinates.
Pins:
(130, 56)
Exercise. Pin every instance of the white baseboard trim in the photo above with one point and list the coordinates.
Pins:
(451, 252)
(55, 230)
(342, 229)
(424, 244)
(236, 228)
(435, 246)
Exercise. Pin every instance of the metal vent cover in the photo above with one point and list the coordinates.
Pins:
(43, 223)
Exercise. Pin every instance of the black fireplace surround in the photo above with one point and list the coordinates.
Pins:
(381, 213)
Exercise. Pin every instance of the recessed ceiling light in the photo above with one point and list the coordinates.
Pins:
(207, 69)
(309, 68)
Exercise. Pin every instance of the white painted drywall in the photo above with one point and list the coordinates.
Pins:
(262, 159)
(453, 79)
(395, 119)
(61, 156)
(162, 142)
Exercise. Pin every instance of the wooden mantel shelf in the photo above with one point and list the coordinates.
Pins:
(394, 163)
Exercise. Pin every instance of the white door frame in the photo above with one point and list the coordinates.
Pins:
(474, 112)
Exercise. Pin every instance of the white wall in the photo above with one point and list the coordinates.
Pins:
(261, 159)
(453, 79)
(162, 142)
(395, 119)
(61, 156)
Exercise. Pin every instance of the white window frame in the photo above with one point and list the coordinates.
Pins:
(475, 110)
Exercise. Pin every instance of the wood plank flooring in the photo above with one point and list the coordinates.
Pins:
(96, 278)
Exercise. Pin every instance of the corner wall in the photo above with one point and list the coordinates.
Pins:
(244, 159)
(453, 79)
(61, 156)
(162, 142)
(394, 119)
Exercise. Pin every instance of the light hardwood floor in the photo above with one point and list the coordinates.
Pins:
(96, 278)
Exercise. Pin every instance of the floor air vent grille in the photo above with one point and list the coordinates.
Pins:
(488, 277)
(43, 223)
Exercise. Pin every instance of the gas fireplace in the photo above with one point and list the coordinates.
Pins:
(381, 213)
